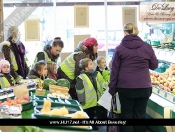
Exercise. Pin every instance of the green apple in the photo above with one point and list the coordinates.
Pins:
(173, 91)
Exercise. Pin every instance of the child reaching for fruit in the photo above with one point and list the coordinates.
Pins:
(6, 80)
(89, 87)
(52, 70)
(39, 71)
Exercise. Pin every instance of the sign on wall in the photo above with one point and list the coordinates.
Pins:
(129, 15)
(81, 16)
(32, 29)
(157, 11)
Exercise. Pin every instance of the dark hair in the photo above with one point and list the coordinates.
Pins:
(37, 67)
(89, 51)
(84, 63)
(58, 42)
(57, 38)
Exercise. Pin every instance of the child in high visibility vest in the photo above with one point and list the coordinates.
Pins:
(89, 87)
(101, 112)
(39, 71)
(6, 80)
(52, 70)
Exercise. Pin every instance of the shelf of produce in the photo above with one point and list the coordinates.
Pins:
(159, 107)
(164, 94)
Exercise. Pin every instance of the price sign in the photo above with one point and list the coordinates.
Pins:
(174, 99)
(158, 91)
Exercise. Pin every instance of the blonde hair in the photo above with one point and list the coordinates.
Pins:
(84, 63)
(50, 67)
(99, 59)
(131, 29)
(13, 32)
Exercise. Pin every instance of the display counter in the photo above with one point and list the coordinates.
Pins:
(159, 107)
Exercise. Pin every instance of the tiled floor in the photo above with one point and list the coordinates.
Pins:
(103, 129)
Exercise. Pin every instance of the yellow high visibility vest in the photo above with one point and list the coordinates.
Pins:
(68, 65)
(46, 57)
(13, 60)
(4, 83)
(91, 95)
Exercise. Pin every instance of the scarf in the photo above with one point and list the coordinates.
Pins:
(19, 52)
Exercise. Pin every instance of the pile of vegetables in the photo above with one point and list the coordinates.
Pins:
(27, 129)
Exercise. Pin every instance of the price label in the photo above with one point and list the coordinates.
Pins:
(165, 95)
(174, 99)
(158, 91)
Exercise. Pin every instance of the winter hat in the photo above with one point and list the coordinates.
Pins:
(89, 41)
(3, 63)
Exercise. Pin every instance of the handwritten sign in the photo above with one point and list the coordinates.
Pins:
(20, 91)
(157, 11)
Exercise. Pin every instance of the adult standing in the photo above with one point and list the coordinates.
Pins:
(14, 51)
(130, 76)
(69, 68)
(50, 53)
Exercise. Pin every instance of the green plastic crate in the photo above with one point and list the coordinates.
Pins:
(160, 70)
(41, 98)
(39, 103)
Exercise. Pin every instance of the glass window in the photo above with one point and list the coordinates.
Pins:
(65, 27)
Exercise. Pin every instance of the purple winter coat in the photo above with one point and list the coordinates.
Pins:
(131, 63)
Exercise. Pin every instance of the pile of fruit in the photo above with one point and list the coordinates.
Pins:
(15, 101)
(27, 129)
(60, 112)
(163, 80)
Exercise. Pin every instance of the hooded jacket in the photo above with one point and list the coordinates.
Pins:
(41, 56)
(131, 63)
(6, 48)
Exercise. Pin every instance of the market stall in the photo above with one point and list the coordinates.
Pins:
(53, 102)
(162, 101)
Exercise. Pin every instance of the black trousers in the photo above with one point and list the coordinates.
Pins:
(90, 112)
(134, 107)
(101, 112)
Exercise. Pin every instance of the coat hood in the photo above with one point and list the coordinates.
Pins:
(132, 42)
(80, 47)
(47, 50)
(4, 43)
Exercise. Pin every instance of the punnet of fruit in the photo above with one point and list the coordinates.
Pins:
(15, 101)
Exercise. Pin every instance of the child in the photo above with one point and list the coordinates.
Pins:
(6, 80)
(100, 111)
(52, 70)
(101, 64)
(39, 71)
(89, 87)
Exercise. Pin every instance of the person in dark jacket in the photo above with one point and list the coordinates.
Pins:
(14, 51)
(69, 69)
(50, 53)
(89, 87)
(130, 76)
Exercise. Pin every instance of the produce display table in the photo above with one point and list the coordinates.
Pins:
(159, 107)
(29, 113)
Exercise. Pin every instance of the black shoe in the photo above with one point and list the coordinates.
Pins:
(94, 127)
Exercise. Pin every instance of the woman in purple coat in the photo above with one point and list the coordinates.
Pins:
(130, 76)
